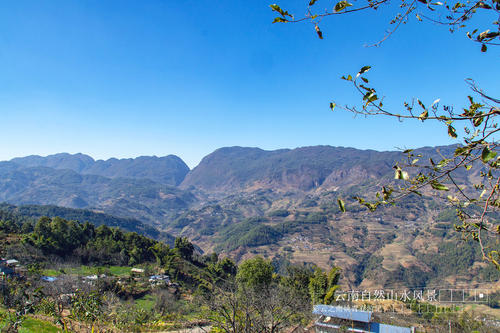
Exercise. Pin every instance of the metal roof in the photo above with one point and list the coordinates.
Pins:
(342, 313)
(48, 278)
(6, 270)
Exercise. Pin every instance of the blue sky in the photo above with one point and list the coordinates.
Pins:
(130, 78)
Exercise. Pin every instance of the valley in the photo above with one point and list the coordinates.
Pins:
(282, 205)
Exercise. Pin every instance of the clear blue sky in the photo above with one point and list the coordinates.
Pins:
(129, 78)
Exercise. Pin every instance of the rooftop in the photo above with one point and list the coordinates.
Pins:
(342, 313)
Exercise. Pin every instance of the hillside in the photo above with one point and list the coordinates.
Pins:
(139, 198)
(280, 204)
(234, 169)
(34, 212)
(410, 244)
(79, 277)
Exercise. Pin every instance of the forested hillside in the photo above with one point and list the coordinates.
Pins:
(34, 212)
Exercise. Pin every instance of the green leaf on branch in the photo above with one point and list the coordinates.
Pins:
(443, 163)
(280, 20)
(478, 121)
(400, 174)
(462, 151)
(278, 9)
(424, 115)
(370, 97)
(366, 88)
(487, 35)
(312, 2)
(364, 69)
(438, 186)
(318, 31)
(386, 192)
(416, 192)
(341, 205)
(421, 104)
(487, 154)
(348, 78)
(452, 132)
(341, 5)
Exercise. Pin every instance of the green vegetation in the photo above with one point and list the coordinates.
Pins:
(118, 297)
(29, 214)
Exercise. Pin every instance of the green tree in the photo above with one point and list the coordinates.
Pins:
(478, 150)
(322, 286)
(184, 247)
(161, 252)
(332, 285)
(222, 270)
(255, 273)
(317, 286)
(57, 235)
(297, 278)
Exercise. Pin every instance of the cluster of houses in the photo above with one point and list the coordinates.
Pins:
(136, 273)
(10, 268)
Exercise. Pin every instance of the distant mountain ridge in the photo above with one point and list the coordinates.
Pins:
(306, 168)
(139, 198)
(281, 204)
(169, 170)
(232, 169)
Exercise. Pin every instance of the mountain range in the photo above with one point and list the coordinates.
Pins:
(281, 204)
(168, 170)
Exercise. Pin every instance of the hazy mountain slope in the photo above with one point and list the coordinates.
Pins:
(77, 162)
(237, 168)
(139, 198)
(169, 170)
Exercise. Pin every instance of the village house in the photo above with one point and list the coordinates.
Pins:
(332, 319)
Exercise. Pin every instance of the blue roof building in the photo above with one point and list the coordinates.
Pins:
(6, 271)
(341, 319)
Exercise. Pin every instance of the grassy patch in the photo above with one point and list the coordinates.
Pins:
(91, 270)
(51, 272)
(145, 303)
(37, 326)
(119, 270)
(30, 325)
